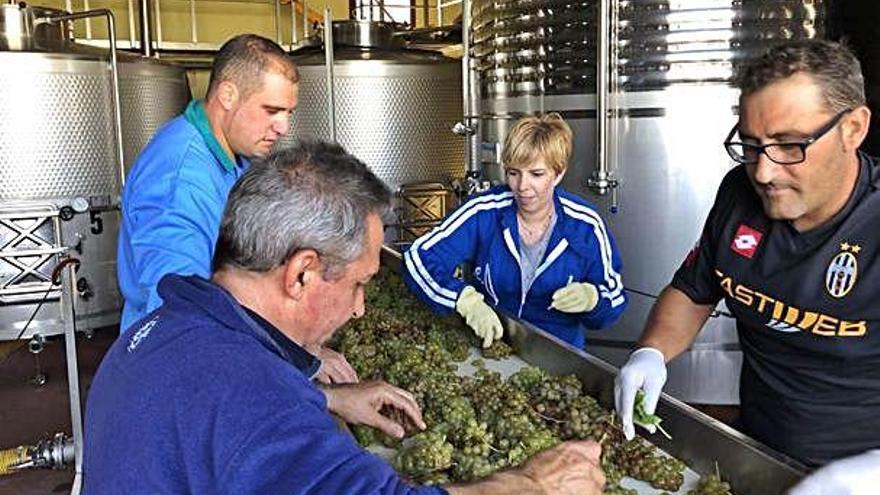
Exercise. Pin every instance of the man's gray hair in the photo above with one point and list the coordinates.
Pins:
(312, 196)
(833, 67)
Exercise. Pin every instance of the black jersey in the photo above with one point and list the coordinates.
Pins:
(807, 307)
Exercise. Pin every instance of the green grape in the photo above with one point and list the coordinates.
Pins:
(711, 484)
(479, 424)
(365, 435)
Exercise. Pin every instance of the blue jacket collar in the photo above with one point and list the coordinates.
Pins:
(196, 116)
(193, 293)
(292, 352)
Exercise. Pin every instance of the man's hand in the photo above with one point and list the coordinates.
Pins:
(360, 404)
(576, 297)
(856, 475)
(645, 370)
(479, 316)
(569, 468)
(334, 366)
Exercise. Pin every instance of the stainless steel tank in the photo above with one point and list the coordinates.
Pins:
(671, 105)
(59, 165)
(533, 47)
(394, 107)
(151, 94)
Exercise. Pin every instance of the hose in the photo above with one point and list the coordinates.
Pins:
(53, 453)
(12, 459)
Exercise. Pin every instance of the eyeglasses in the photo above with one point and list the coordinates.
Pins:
(788, 153)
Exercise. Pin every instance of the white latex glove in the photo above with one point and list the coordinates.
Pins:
(856, 475)
(576, 297)
(479, 316)
(645, 370)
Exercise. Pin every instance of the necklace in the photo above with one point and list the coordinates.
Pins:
(531, 234)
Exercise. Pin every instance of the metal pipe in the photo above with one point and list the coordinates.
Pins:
(157, 19)
(68, 283)
(114, 73)
(305, 20)
(131, 35)
(328, 56)
(87, 7)
(613, 103)
(278, 22)
(600, 180)
(472, 162)
(293, 28)
(192, 19)
(145, 19)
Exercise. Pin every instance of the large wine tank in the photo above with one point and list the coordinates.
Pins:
(394, 109)
(669, 107)
(60, 175)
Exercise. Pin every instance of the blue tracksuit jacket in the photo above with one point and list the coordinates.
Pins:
(483, 232)
(199, 398)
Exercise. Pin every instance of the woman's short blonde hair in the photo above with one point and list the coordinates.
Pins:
(535, 137)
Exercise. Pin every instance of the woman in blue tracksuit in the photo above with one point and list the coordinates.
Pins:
(536, 251)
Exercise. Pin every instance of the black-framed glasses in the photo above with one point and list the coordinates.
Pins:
(787, 153)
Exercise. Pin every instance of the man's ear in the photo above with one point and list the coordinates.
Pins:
(228, 94)
(855, 127)
(300, 272)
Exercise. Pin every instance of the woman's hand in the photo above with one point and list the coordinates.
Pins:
(576, 297)
(479, 316)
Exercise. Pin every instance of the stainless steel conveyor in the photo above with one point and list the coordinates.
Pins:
(699, 440)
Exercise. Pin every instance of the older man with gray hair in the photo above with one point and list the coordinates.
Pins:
(212, 392)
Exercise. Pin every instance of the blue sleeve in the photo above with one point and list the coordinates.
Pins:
(603, 268)
(302, 452)
(431, 261)
(171, 228)
(612, 294)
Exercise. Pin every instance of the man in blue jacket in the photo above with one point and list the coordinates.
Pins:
(175, 193)
(211, 393)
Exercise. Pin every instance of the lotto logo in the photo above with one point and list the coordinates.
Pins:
(746, 241)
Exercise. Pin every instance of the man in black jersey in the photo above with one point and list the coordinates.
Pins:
(791, 245)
